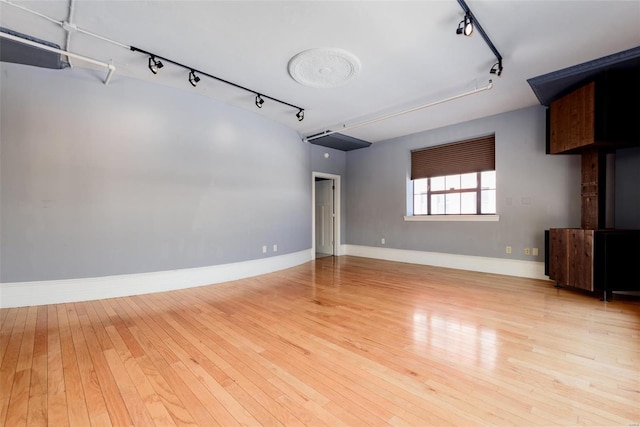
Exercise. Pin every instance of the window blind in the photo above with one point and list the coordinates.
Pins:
(470, 155)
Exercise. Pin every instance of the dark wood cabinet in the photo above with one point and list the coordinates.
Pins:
(594, 120)
(602, 114)
(571, 257)
(572, 120)
(594, 260)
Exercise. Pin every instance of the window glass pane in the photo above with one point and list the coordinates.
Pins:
(452, 182)
(468, 203)
(488, 202)
(437, 204)
(437, 183)
(420, 186)
(469, 180)
(488, 179)
(453, 203)
(420, 204)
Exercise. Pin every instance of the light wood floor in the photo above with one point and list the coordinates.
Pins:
(338, 341)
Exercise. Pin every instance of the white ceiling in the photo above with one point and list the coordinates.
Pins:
(409, 51)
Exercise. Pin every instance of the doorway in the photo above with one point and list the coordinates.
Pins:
(326, 214)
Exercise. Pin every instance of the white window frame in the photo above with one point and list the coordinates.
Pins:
(410, 217)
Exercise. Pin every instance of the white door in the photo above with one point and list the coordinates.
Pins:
(324, 217)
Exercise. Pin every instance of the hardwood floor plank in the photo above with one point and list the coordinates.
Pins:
(94, 397)
(132, 400)
(19, 400)
(254, 361)
(336, 341)
(57, 413)
(260, 362)
(319, 371)
(255, 400)
(37, 410)
(117, 333)
(286, 338)
(75, 399)
(184, 404)
(13, 333)
(4, 314)
(163, 388)
(309, 412)
(221, 403)
(9, 319)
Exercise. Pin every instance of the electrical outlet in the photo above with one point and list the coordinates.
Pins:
(508, 249)
(527, 251)
(264, 249)
(534, 251)
(383, 241)
(275, 248)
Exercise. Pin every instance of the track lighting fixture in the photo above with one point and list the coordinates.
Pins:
(497, 68)
(193, 79)
(466, 25)
(154, 64)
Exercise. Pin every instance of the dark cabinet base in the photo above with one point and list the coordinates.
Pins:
(597, 261)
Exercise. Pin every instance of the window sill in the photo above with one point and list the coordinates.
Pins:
(479, 218)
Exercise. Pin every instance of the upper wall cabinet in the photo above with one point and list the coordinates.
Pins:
(602, 113)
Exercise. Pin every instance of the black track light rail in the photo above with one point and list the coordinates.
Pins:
(191, 69)
(484, 35)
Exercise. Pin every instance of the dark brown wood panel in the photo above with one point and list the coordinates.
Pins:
(593, 189)
(581, 259)
(575, 260)
(595, 260)
(558, 256)
(571, 257)
(572, 120)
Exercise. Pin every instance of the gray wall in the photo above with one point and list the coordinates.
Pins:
(535, 191)
(136, 177)
(627, 188)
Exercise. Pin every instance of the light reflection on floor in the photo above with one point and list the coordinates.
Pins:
(462, 343)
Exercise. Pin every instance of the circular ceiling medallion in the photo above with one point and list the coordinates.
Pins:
(324, 67)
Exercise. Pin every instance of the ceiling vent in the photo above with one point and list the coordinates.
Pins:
(339, 141)
(20, 53)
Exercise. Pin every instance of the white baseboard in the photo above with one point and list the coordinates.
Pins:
(21, 294)
(509, 267)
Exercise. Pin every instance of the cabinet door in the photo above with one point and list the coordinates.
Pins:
(558, 255)
(572, 120)
(581, 259)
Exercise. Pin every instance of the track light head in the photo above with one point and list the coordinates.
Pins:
(466, 25)
(496, 68)
(259, 101)
(300, 115)
(193, 79)
(154, 64)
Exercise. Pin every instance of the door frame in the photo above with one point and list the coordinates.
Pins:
(336, 211)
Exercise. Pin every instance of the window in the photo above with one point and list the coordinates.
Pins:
(462, 194)
(455, 179)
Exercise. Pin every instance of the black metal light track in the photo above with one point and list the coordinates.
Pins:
(484, 35)
(191, 69)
